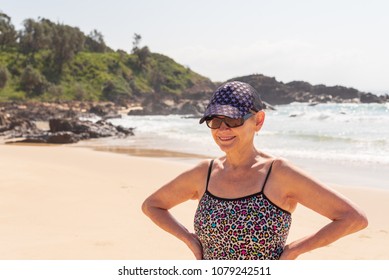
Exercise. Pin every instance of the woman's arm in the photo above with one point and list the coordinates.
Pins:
(345, 216)
(186, 186)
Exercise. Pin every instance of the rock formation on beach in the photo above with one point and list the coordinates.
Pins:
(275, 92)
(18, 122)
(272, 92)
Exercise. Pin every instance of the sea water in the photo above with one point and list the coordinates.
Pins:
(353, 135)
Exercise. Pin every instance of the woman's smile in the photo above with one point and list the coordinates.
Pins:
(226, 138)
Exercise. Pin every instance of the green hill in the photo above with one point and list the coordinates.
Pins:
(47, 61)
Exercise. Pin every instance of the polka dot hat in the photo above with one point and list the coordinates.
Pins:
(233, 99)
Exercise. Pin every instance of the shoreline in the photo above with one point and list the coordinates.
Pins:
(330, 172)
(72, 202)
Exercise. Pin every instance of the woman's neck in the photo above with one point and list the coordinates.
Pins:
(241, 158)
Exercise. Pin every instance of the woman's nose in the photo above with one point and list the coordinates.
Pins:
(223, 126)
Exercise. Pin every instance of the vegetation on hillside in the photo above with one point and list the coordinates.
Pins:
(47, 61)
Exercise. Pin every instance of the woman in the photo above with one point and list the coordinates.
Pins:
(246, 197)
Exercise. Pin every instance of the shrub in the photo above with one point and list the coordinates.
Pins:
(32, 82)
(4, 76)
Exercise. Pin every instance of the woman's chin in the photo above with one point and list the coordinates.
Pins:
(225, 148)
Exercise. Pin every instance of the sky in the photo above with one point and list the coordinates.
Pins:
(331, 42)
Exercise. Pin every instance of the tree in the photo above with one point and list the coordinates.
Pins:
(142, 54)
(4, 75)
(8, 34)
(36, 36)
(94, 42)
(67, 42)
(135, 44)
(32, 82)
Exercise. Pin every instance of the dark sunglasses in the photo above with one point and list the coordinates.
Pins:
(215, 122)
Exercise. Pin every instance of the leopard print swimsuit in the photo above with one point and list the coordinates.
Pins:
(250, 227)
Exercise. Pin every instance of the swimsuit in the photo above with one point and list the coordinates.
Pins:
(249, 227)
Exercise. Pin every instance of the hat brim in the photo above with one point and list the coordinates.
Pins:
(221, 110)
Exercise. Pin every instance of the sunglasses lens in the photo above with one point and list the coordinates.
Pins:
(215, 123)
(233, 122)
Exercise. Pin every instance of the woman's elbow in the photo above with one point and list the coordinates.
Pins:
(359, 221)
(146, 207)
(363, 221)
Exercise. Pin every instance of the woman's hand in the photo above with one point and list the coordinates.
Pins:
(195, 246)
(288, 254)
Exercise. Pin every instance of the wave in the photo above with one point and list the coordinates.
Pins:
(346, 132)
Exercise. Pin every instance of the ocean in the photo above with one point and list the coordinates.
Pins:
(354, 137)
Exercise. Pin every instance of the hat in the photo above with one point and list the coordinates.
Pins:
(234, 100)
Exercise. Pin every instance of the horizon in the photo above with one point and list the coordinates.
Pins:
(326, 42)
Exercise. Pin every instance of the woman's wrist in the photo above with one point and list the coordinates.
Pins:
(289, 253)
(185, 236)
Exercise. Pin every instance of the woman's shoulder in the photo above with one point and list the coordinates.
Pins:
(283, 167)
(286, 173)
(280, 162)
(205, 163)
(200, 168)
(276, 162)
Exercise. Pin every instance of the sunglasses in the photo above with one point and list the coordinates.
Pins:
(215, 122)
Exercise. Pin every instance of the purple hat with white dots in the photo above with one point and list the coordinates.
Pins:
(234, 100)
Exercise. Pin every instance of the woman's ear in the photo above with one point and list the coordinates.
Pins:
(259, 120)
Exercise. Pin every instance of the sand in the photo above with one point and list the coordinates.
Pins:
(75, 203)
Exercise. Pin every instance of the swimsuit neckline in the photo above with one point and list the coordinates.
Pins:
(246, 197)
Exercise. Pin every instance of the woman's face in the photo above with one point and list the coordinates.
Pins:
(238, 138)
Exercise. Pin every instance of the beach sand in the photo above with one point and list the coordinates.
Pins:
(67, 202)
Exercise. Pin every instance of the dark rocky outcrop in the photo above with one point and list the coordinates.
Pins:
(371, 98)
(19, 121)
(43, 111)
(275, 92)
(272, 92)
(87, 128)
(66, 131)
(15, 126)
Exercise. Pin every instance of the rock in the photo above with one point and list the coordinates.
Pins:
(13, 127)
(189, 107)
(93, 130)
(61, 125)
(125, 131)
(63, 137)
(370, 98)
(17, 120)
(3, 120)
(66, 131)
(104, 110)
(275, 92)
(135, 111)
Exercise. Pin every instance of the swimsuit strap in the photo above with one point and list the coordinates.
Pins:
(209, 174)
(267, 176)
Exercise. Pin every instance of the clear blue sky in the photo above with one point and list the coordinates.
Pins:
(332, 42)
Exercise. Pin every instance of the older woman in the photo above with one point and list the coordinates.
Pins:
(246, 198)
